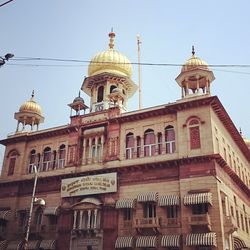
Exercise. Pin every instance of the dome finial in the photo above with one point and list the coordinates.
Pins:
(193, 51)
(111, 39)
(240, 131)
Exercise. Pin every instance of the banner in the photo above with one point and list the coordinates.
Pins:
(92, 184)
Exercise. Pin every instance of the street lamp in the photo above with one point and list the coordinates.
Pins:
(5, 58)
(26, 239)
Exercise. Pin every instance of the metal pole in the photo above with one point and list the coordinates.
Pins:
(139, 70)
(26, 239)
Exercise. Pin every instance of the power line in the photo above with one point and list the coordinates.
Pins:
(133, 63)
(45, 65)
(6, 3)
(85, 65)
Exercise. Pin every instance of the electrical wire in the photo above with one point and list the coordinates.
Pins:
(6, 3)
(133, 63)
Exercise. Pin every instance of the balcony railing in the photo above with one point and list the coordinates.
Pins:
(87, 227)
(170, 222)
(200, 219)
(153, 222)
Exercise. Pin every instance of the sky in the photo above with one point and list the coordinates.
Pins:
(78, 29)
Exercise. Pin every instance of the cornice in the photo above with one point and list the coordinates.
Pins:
(38, 135)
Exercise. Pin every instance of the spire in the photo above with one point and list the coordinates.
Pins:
(32, 95)
(111, 39)
(193, 51)
(240, 131)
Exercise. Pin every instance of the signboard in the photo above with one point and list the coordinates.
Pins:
(92, 184)
(89, 242)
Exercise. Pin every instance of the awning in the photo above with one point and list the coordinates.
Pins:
(169, 200)
(124, 242)
(146, 197)
(5, 214)
(191, 199)
(202, 239)
(33, 244)
(146, 241)
(48, 244)
(15, 245)
(171, 240)
(238, 243)
(126, 203)
(3, 244)
(51, 210)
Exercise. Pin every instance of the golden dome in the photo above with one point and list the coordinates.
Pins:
(247, 141)
(194, 63)
(31, 106)
(111, 61)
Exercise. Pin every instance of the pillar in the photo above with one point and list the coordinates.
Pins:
(84, 152)
(102, 146)
(80, 222)
(75, 218)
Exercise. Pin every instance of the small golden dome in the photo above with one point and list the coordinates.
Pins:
(110, 61)
(31, 106)
(194, 63)
(247, 141)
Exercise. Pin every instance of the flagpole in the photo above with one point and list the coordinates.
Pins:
(139, 70)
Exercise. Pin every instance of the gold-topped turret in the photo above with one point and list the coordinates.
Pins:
(110, 61)
(30, 113)
(109, 70)
(195, 77)
(194, 62)
(31, 106)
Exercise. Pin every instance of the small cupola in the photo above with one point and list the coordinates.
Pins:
(195, 77)
(78, 104)
(30, 113)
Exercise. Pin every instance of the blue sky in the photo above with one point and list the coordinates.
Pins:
(79, 29)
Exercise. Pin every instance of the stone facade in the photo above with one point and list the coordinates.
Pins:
(175, 176)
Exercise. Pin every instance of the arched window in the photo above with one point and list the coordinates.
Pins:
(100, 94)
(12, 161)
(129, 145)
(61, 156)
(194, 133)
(149, 142)
(32, 160)
(46, 159)
(170, 139)
(111, 88)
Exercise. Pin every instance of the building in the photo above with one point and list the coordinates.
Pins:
(174, 176)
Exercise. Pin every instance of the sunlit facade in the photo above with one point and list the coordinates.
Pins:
(175, 176)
